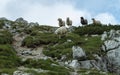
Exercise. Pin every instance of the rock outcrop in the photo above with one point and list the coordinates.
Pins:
(21, 20)
(108, 61)
(78, 52)
(112, 48)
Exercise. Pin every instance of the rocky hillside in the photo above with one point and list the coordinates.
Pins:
(33, 49)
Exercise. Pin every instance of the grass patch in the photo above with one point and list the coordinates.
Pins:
(39, 39)
(63, 47)
(41, 28)
(47, 73)
(91, 46)
(95, 29)
(93, 72)
(5, 37)
(46, 65)
(7, 70)
(8, 57)
(58, 51)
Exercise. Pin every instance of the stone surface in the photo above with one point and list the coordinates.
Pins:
(78, 52)
(21, 20)
(75, 64)
(112, 47)
(20, 73)
(86, 64)
(104, 36)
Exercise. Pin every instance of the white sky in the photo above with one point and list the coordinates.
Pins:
(47, 13)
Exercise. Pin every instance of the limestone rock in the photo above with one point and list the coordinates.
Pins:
(75, 64)
(21, 73)
(78, 52)
(114, 60)
(21, 20)
(86, 64)
(112, 47)
(104, 36)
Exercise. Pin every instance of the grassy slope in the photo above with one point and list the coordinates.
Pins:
(54, 47)
(8, 58)
(91, 46)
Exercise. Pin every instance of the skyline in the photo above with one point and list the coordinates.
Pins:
(47, 12)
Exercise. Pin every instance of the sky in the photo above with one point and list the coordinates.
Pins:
(46, 12)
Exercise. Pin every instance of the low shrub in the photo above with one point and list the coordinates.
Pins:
(47, 64)
(63, 47)
(91, 46)
(40, 39)
(8, 57)
(5, 37)
(95, 29)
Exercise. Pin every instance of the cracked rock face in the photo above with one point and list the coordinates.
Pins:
(108, 62)
(78, 55)
(112, 47)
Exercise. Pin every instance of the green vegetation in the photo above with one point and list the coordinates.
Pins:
(95, 29)
(5, 37)
(39, 39)
(3, 21)
(7, 71)
(47, 73)
(63, 47)
(93, 72)
(8, 57)
(42, 28)
(91, 46)
(1, 24)
(55, 73)
(47, 64)
(53, 47)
